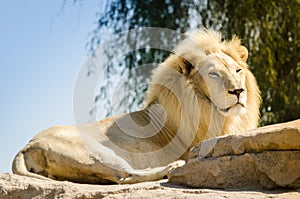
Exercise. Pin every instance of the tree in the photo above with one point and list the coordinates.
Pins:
(268, 28)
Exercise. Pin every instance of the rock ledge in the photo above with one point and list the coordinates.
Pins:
(15, 186)
(266, 157)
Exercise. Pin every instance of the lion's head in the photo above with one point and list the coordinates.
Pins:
(223, 82)
(210, 78)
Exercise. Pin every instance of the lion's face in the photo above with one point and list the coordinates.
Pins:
(225, 84)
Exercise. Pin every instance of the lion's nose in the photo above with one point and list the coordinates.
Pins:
(236, 92)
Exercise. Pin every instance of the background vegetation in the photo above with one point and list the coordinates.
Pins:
(268, 28)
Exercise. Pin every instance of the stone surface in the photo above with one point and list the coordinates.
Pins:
(266, 157)
(15, 186)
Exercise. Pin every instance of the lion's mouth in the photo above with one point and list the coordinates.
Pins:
(227, 109)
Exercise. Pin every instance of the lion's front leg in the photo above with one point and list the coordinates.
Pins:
(150, 174)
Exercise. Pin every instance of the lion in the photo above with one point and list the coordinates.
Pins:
(202, 90)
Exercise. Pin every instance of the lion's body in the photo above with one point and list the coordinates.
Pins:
(203, 90)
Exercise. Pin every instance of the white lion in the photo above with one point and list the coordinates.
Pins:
(203, 90)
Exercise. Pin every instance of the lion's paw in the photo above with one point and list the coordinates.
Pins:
(176, 164)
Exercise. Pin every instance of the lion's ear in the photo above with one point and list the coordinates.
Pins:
(243, 53)
(185, 66)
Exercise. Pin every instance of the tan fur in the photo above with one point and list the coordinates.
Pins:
(192, 96)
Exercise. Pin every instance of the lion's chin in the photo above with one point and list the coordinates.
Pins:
(237, 109)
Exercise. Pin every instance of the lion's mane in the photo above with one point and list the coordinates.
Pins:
(181, 93)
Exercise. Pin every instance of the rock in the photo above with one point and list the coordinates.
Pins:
(15, 186)
(266, 157)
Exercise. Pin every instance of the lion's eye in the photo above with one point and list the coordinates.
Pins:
(214, 74)
(238, 70)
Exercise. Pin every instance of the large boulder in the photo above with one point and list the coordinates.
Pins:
(266, 157)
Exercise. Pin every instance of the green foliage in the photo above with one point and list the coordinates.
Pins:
(268, 28)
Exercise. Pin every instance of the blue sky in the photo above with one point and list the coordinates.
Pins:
(41, 50)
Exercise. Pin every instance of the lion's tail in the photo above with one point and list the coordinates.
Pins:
(19, 166)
